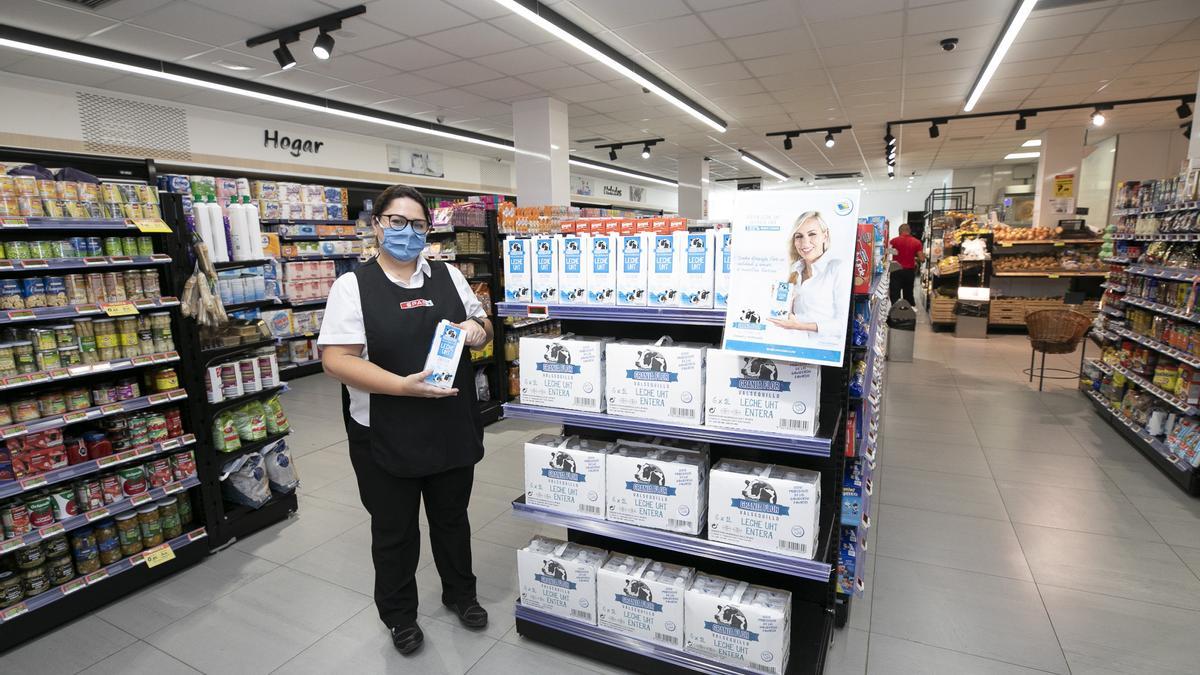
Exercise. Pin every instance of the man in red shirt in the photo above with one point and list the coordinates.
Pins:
(907, 252)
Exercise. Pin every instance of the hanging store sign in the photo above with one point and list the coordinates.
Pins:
(293, 146)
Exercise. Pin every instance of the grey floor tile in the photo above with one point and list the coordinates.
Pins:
(322, 467)
(945, 492)
(1190, 557)
(1001, 415)
(988, 616)
(1104, 634)
(961, 542)
(1030, 437)
(495, 570)
(1079, 510)
(1044, 468)
(364, 645)
(316, 522)
(489, 502)
(70, 649)
(893, 656)
(507, 658)
(514, 531)
(343, 491)
(504, 467)
(925, 431)
(140, 657)
(345, 560)
(848, 653)
(967, 460)
(1138, 570)
(860, 607)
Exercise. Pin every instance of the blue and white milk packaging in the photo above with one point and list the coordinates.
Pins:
(655, 380)
(444, 354)
(572, 269)
(632, 272)
(765, 507)
(662, 278)
(566, 474)
(563, 372)
(657, 487)
(602, 262)
(696, 274)
(739, 624)
(544, 275)
(518, 280)
(753, 393)
(643, 599)
(724, 258)
(559, 578)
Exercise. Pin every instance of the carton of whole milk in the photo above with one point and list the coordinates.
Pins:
(696, 269)
(545, 269)
(662, 282)
(658, 380)
(632, 273)
(563, 372)
(444, 354)
(724, 258)
(559, 578)
(765, 507)
(658, 487)
(753, 393)
(602, 264)
(739, 624)
(572, 271)
(643, 599)
(566, 474)
(517, 277)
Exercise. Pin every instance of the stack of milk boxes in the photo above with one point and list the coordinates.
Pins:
(666, 266)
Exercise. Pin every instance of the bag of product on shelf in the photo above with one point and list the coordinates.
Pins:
(563, 372)
(251, 422)
(765, 507)
(566, 473)
(557, 577)
(277, 421)
(753, 393)
(281, 471)
(655, 380)
(643, 598)
(736, 623)
(244, 481)
(225, 433)
(657, 487)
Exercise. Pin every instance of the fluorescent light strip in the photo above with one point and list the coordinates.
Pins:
(1010, 35)
(533, 17)
(1022, 155)
(754, 161)
(237, 91)
(620, 172)
(1032, 143)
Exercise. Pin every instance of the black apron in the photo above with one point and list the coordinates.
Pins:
(410, 436)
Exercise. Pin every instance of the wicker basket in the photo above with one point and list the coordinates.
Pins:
(1056, 331)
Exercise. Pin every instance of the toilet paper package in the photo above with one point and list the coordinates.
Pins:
(563, 372)
(642, 598)
(696, 269)
(752, 393)
(566, 474)
(517, 275)
(632, 272)
(662, 278)
(658, 380)
(764, 506)
(657, 487)
(557, 577)
(444, 354)
(602, 269)
(721, 268)
(544, 282)
(739, 624)
(572, 270)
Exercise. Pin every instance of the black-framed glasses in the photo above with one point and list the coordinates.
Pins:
(395, 222)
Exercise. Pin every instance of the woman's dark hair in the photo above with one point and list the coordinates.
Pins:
(395, 192)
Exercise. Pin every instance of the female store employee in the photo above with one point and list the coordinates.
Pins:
(408, 439)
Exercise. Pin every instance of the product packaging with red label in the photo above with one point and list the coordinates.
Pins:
(863, 246)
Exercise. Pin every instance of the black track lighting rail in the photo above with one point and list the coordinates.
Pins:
(816, 130)
(630, 144)
(329, 22)
(1031, 112)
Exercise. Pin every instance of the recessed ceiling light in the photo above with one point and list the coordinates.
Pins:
(1032, 143)
(1022, 155)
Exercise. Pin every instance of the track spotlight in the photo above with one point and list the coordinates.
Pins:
(787, 142)
(889, 139)
(891, 155)
(612, 154)
(284, 56)
(1186, 128)
(646, 151)
(323, 47)
(1021, 123)
(1098, 118)
(829, 139)
(933, 130)
(1184, 111)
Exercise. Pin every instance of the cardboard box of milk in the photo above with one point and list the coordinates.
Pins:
(753, 393)
(563, 372)
(517, 273)
(566, 473)
(632, 271)
(739, 624)
(765, 507)
(642, 598)
(696, 269)
(544, 275)
(657, 487)
(559, 578)
(572, 269)
(655, 380)
(662, 282)
(602, 269)
(444, 354)
(722, 265)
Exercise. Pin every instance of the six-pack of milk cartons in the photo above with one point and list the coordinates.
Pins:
(737, 623)
(754, 393)
(655, 380)
(563, 372)
(643, 598)
(559, 578)
(657, 487)
(764, 506)
(566, 474)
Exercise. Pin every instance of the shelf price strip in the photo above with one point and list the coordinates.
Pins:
(1160, 308)
(92, 413)
(15, 487)
(17, 381)
(1155, 443)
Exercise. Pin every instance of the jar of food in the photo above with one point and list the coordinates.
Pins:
(127, 331)
(158, 472)
(29, 557)
(151, 526)
(112, 247)
(44, 250)
(110, 486)
(52, 403)
(184, 502)
(108, 541)
(5, 414)
(78, 398)
(77, 452)
(25, 409)
(76, 286)
(95, 287)
(133, 284)
(65, 505)
(35, 582)
(87, 560)
(33, 292)
(145, 246)
(43, 339)
(166, 380)
(168, 513)
(56, 292)
(107, 342)
(150, 285)
(156, 427)
(129, 533)
(60, 570)
(56, 546)
(127, 388)
(84, 328)
(174, 422)
(17, 250)
(48, 360)
(160, 323)
(65, 336)
(145, 335)
(88, 493)
(15, 517)
(69, 356)
(78, 246)
(514, 380)
(41, 510)
(129, 245)
(24, 356)
(132, 480)
(114, 286)
(10, 589)
(95, 245)
(8, 363)
(10, 295)
(138, 431)
(183, 465)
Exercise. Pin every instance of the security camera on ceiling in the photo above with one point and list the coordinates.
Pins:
(949, 44)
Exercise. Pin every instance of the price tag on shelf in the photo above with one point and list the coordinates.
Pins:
(105, 461)
(168, 300)
(176, 394)
(120, 259)
(14, 222)
(39, 377)
(1051, 276)
(98, 575)
(151, 225)
(169, 444)
(73, 585)
(137, 558)
(172, 488)
(159, 555)
(11, 545)
(160, 397)
(14, 430)
(97, 514)
(95, 261)
(6, 264)
(196, 534)
(111, 408)
(34, 264)
(51, 530)
(21, 314)
(73, 417)
(1005, 244)
(59, 373)
(119, 308)
(1059, 243)
(141, 360)
(138, 500)
(537, 311)
(13, 612)
(32, 482)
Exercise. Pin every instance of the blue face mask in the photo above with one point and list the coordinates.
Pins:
(403, 245)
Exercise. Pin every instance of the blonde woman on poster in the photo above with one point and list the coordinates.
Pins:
(815, 277)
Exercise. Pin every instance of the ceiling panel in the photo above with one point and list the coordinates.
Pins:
(408, 55)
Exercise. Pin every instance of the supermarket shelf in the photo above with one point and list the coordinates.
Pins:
(1044, 242)
(241, 520)
(251, 304)
(1168, 273)
(262, 393)
(48, 223)
(305, 221)
(59, 374)
(296, 336)
(490, 411)
(213, 353)
(526, 322)
(1152, 447)
(1050, 275)
(479, 277)
(691, 545)
(319, 237)
(303, 303)
(330, 256)
(239, 264)
(816, 446)
(713, 317)
(1184, 206)
(75, 522)
(91, 413)
(224, 458)
(10, 488)
(74, 311)
(1116, 288)
(1159, 236)
(1160, 308)
(1149, 387)
(301, 369)
(1160, 347)
(1115, 261)
(1113, 312)
(84, 263)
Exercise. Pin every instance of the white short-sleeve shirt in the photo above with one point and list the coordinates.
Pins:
(343, 323)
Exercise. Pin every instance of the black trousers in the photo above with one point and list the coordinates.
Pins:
(901, 282)
(394, 504)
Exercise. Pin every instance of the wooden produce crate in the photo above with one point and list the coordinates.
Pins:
(941, 309)
(1007, 312)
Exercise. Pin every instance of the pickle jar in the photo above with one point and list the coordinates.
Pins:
(108, 345)
(151, 525)
(108, 541)
(129, 533)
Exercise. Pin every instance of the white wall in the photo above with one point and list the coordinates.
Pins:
(1149, 154)
(1095, 182)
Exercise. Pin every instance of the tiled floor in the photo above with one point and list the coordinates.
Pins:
(1014, 532)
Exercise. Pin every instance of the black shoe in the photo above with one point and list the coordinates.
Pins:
(408, 639)
(470, 613)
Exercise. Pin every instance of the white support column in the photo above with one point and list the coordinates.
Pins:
(693, 187)
(1193, 153)
(1062, 153)
(542, 140)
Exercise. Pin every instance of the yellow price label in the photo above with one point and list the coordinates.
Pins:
(151, 225)
(119, 308)
(159, 555)
(1059, 243)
